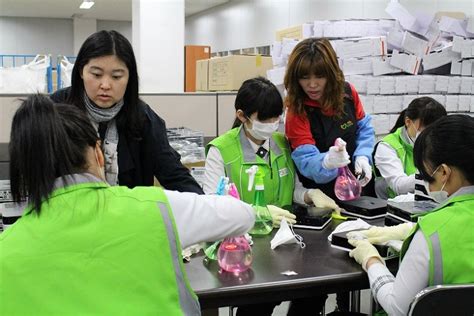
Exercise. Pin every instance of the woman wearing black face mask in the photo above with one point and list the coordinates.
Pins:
(393, 155)
(440, 250)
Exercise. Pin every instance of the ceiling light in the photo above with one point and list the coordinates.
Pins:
(86, 4)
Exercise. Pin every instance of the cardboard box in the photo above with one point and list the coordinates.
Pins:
(412, 84)
(381, 124)
(472, 104)
(380, 104)
(452, 103)
(298, 32)
(367, 103)
(464, 103)
(359, 83)
(466, 67)
(229, 72)
(356, 66)
(373, 85)
(441, 98)
(466, 85)
(456, 67)
(407, 63)
(383, 67)
(415, 45)
(427, 84)
(387, 85)
(202, 75)
(440, 58)
(394, 103)
(454, 85)
(400, 85)
(442, 83)
(193, 53)
(363, 47)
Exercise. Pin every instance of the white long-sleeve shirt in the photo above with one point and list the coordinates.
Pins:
(396, 294)
(391, 168)
(215, 170)
(208, 217)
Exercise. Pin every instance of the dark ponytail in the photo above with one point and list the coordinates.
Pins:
(426, 109)
(448, 140)
(47, 141)
(258, 95)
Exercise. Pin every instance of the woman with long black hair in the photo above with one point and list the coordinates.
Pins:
(104, 85)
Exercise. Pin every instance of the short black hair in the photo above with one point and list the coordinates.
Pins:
(426, 109)
(258, 95)
(449, 140)
(47, 141)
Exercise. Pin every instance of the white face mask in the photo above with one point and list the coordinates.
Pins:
(439, 196)
(417, 133)
(286, 235)
(262, 131)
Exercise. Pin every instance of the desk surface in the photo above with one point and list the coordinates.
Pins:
(320, 268)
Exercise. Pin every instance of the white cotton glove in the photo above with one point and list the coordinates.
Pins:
(278, 214)
(363, 251)
(337, 156)
(380, 235)
(322, 200)
(363, 167)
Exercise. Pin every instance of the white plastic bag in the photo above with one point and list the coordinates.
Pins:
(29, 78)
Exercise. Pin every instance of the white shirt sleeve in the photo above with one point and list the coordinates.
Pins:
(214, 170)
(396, 294)
(299, 192)
(209, 217)
(391, 169)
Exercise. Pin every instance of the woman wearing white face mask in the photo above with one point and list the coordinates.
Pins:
(440, 249)
(254, 140)
(394, 166)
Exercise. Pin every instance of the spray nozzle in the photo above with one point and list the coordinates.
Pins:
(251, 172)
(339, 142)
(222, 186)
(233, 191)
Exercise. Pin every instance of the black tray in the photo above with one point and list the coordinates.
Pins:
(366, 207)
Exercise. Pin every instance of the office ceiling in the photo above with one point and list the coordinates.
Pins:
(119, 10)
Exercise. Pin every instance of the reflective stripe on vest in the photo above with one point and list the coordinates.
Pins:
(450, 240)
(187, 299)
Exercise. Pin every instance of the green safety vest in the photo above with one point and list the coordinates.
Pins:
(95, 250)
(238, 155)
(404, 153)
(450, 237)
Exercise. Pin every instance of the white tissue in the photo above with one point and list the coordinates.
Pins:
(350, 225)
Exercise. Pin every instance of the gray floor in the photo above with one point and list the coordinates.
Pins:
(282, 309)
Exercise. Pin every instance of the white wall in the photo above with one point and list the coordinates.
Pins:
(36, 36)
(20, 35)
(250, 23)
(123, 27)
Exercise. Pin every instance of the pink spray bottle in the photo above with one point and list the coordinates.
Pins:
(234, 254)
(346, 187)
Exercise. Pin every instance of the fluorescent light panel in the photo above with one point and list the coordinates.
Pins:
(86, 4)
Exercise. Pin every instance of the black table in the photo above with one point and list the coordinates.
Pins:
(320, 268)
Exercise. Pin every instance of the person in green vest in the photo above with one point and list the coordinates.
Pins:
(393, 155)
(440, 248)
(83, 247)
(254, 140)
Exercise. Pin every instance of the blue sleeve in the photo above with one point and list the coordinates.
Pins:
(365, 138)
(309, 162)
